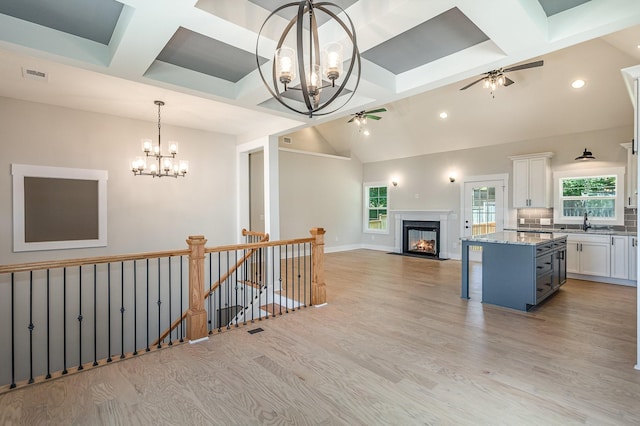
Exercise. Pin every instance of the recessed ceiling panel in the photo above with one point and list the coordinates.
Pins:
(90, 19)
(441, 36)
(190, 50)
(552, 7)
(289, 12)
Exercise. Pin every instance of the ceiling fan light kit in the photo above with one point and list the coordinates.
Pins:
(497, 78)
(360, 118)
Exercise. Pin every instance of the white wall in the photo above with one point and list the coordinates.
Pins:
(144, 213)
(424, 183)
(324, 192)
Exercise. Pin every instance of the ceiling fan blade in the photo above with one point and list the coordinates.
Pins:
(373, 117)
(471, 84)
(508, 81)
(376, 111)
(524, 66)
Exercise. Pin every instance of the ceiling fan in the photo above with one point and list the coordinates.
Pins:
(361, 117)
(493, 79)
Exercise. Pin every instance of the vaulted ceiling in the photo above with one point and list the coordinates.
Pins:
(116, 57)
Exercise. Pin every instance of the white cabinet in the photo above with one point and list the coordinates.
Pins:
(619, 257)
(633, 258)
(631, 191)
(532, 180)
(589, 254)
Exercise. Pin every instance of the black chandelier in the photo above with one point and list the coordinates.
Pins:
(306, 70)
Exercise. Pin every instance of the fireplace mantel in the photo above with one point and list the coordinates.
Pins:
(441, 216)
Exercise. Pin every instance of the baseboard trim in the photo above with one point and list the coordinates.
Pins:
(606, 280)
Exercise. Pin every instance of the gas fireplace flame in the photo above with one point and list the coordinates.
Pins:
(425, 245)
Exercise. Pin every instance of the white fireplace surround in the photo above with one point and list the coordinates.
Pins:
(441, 216)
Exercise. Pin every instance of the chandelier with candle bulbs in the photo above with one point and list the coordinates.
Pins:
(156, 164)
(301, 65)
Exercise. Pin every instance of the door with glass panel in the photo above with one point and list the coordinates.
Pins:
(483, 207)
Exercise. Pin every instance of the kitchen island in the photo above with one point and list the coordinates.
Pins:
(519, 269)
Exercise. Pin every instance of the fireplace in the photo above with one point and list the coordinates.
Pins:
(421, 237)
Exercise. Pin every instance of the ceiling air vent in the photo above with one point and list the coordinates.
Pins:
(34, 74)
(286, 140)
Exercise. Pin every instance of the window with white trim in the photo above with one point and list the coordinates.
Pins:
(599, 193)
(376, 203)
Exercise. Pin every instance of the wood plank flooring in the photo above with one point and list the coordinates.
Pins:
(395, 345)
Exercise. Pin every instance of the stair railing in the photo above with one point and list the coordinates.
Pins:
(62, 317)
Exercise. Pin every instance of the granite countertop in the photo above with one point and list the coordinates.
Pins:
(572, 231)
(514, 237)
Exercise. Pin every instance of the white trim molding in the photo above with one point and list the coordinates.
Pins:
(441, 216)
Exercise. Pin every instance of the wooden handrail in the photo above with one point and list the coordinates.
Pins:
(258, 245)
(52, 264)
(265, 238)
(255, 234)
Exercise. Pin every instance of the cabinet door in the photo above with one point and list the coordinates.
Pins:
(619, 257)
(573, 257)
(631, 199)
(520, 183)
(595, 258)
(538, 181)
(632, 178)
(633, 258)
(559, 267)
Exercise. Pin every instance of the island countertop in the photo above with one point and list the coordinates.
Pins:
(514, 237)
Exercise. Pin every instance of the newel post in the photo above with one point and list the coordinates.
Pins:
(318, 287)
(196, 315)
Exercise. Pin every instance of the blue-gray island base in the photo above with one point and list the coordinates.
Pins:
(519, 269)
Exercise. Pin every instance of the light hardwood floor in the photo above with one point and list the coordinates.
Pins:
(395, 345)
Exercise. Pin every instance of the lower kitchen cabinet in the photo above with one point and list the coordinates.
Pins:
(619, 257)
(589, 254)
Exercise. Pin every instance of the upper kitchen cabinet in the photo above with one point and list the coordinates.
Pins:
(532, 180)
(631, 199)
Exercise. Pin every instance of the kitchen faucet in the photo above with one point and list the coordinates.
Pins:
(586, 225)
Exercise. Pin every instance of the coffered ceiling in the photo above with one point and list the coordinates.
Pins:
(116, 57)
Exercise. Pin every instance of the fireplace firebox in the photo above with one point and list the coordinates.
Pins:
(421, 237)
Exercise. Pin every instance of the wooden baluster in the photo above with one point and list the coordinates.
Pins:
(318, 287)
(196, 315)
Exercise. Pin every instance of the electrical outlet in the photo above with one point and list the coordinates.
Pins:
(522, 221)
(546, 221)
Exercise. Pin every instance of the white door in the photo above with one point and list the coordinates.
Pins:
(483, 207)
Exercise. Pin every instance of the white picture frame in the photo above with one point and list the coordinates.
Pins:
(21, 171)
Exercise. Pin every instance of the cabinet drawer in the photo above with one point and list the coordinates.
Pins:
(544, 264)
(543, 248)
(588, 238)
(544, 286)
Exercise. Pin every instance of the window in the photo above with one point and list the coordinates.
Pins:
(376, 205)
(599, 194)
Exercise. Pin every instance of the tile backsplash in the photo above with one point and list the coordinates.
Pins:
(531, 218)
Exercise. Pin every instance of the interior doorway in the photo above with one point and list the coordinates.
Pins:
(256, 191)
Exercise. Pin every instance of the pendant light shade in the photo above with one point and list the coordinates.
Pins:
(586, 155)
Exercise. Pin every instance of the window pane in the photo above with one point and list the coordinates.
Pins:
(377, 208)
(593, 208)
(599, 186)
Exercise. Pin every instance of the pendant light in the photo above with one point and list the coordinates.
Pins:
(586, 155)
